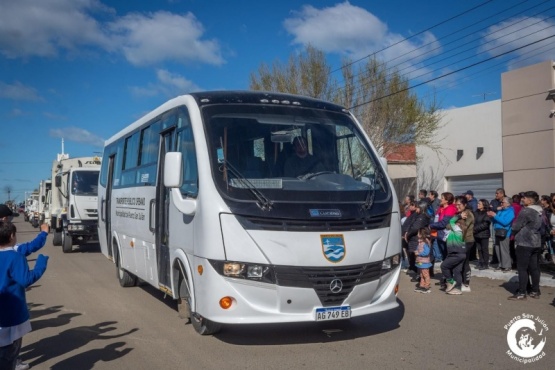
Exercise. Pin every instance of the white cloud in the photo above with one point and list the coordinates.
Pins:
(518, 32)
(18, 91)
(41, 28)
(168, 84)
(45, 28)
(152, 38)
(77, 135)
(352, 31)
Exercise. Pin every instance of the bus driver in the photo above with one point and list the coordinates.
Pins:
(302, 162)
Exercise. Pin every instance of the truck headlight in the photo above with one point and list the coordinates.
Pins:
(243, 270)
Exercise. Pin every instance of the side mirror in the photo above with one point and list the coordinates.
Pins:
(173, 170)
(42, 198)
(58, 181)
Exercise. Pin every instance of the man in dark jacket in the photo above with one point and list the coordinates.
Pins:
(528, 246)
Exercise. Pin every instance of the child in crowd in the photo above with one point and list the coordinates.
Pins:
(15, 277)
(423, 261)
(452, 266)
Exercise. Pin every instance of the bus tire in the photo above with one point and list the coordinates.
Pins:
(125, 278)
(67, 242)
(203, 326)
(184, 301)
(57, 239)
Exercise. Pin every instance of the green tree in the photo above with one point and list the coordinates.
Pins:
(390, 113)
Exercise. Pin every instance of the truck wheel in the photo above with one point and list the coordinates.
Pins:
(67, 242)
(57, 239)
(125, 278)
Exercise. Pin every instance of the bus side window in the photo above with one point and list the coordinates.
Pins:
(186, 145)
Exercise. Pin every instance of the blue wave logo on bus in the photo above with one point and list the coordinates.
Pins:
(333, 247)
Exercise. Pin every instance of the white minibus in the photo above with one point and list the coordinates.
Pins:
(251, 207)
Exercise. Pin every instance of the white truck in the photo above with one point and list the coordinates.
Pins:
(31, 208)
(73, 203)
(43, 202)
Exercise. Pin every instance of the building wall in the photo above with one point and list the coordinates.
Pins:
(528, 131)
(465, 129)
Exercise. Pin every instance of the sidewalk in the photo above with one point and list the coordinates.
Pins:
(547, 270)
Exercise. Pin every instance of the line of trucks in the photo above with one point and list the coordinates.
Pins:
(67, 202)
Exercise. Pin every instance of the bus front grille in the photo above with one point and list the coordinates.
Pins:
(272, 224)
(320, 279)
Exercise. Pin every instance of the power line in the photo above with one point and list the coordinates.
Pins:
(450, 73)
(414, 35)
(361, 83)
(453, 41)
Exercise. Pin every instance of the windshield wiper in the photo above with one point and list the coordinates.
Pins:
(263, 202)
(369, 201)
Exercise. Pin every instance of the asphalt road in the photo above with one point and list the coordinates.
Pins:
(83, 319)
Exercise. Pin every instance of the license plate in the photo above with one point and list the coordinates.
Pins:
(333, 313)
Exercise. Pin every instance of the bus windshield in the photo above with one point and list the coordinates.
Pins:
(290, 152)
(84, 183)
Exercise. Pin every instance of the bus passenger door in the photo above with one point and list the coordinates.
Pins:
(162, 213)
(105, 229)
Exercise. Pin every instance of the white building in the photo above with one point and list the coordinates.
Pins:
(507, 143)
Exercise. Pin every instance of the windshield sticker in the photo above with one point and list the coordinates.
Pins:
(325, 213)
(220, 153)
(333, 247)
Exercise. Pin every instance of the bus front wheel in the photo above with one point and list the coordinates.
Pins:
(201, 325)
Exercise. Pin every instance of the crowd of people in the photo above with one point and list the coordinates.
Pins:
(455, 231)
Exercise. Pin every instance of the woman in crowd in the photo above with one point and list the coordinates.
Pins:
(465, 213)
(444, 213)
(482, 233)
(502, 220)
(417, 221)
(545, 203)
(452, 265)
(528, 246)
(407, 204)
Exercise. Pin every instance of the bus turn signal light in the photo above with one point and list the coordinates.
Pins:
(226, 302)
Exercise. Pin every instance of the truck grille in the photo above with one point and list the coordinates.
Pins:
(320, 278)
(92, 212)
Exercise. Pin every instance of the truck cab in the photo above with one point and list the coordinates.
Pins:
(74, 215)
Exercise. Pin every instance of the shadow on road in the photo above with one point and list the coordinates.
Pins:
(332, 331)
(86, 360)
(54, 322)
(35, 313)
(73, 339)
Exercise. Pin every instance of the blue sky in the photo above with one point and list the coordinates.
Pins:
(84, 69)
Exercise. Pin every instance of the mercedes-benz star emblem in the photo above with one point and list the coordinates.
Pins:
(336, 285)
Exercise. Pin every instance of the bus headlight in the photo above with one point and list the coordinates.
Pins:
(243, 270)
(390, 263)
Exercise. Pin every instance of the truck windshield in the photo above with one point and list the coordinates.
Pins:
(291, 153)
(84, 183)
